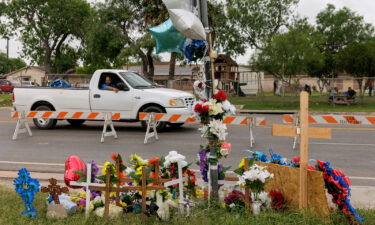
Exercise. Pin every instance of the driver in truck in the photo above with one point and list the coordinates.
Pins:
(109, 86)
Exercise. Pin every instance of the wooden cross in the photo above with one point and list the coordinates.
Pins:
(247, 190)
(304, 132)
(110, 188)
(54, 190)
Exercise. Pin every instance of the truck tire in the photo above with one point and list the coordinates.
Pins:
(76, 123)
(44, 124)
(156, 109)
(176, 125)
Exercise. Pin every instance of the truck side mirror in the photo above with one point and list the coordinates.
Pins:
(122, 87)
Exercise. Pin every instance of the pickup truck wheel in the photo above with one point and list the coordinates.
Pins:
(44, 124)
(176, 125)
(161, 125)
(76, 123)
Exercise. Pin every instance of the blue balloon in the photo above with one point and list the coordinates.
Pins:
(168, 38)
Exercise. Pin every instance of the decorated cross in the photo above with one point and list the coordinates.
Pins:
(304, 132)
(54, 190)
(108, 188)
(180, 181)
(87, 185)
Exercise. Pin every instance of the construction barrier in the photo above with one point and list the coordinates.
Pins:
(329, 119)
(334, 119)
(22, 120)
(154, 118)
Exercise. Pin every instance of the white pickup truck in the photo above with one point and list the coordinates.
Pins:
(136, 94)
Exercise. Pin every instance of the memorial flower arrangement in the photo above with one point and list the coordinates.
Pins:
(135, 169)
(235, 201)
(255, 179)
(337, 184)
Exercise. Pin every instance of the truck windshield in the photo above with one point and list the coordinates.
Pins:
(136, 80)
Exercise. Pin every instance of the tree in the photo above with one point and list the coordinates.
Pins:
(126, 36)
(358, 59)
(288, 54)
(336, 30)
(10, 64)
(253, 23)
(46, 26)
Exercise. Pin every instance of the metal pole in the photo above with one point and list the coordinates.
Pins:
(208, 67)
(204, 18)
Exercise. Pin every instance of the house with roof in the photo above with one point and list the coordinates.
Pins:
(34, 74)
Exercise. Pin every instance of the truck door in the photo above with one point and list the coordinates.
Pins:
(108, 100)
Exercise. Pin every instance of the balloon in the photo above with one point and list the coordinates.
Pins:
(178, 4)
(73, 163)
(188, 24)
(168, 39)
(194, 49)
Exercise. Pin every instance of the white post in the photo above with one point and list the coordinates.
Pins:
(251, 123)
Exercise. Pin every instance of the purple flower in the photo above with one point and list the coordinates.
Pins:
(94, 170)
(203, 164)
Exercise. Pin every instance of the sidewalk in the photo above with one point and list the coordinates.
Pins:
(362, 196)
(248, 111)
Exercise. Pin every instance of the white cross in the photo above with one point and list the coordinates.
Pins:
(87, 184)
(180, 181)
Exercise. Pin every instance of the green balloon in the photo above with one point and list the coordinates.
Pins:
(168, 39)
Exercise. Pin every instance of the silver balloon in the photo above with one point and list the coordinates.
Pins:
(179, 4)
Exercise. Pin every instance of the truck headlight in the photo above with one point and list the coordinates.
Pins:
(178, 102)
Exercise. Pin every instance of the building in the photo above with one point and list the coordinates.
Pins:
(34, 74)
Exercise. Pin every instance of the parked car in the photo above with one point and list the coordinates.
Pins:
(136, 94)
(29, 84)
(6, 86)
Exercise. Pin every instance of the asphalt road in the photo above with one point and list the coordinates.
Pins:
(352, 148)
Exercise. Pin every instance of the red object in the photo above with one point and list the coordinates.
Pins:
(153, 161)
(200, 85)
(6, 86)
(220, 96)
(227, 146)
(277, 200)
(201, 109)
(13, 97)
(73, 163)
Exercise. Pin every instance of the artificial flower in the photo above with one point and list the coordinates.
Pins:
(220, 96)
(174, 157)
(153, 161)
(218, 128)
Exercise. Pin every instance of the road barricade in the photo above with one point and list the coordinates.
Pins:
(329, 119)
(23, 125)
(154, 118)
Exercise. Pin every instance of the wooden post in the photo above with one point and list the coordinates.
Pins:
(247, 190)
(304, 148)
(117, 196)
(304, 132)
(107, 192)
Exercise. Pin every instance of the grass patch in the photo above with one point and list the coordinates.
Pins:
(289, 102)
(5, 100)
(11, 207)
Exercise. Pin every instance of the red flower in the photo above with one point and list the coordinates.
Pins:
(114, 157)
(277, 200)
(153, 161)
(201, 109)
(200, 85)
(220, 96)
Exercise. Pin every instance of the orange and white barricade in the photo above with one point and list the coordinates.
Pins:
(22, 117)
(335, 119)
(330, 119)
(153, 118)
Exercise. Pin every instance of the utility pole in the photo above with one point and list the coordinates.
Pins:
(7, 47)
(212, 160)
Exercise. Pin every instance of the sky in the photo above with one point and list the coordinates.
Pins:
(306, 8)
